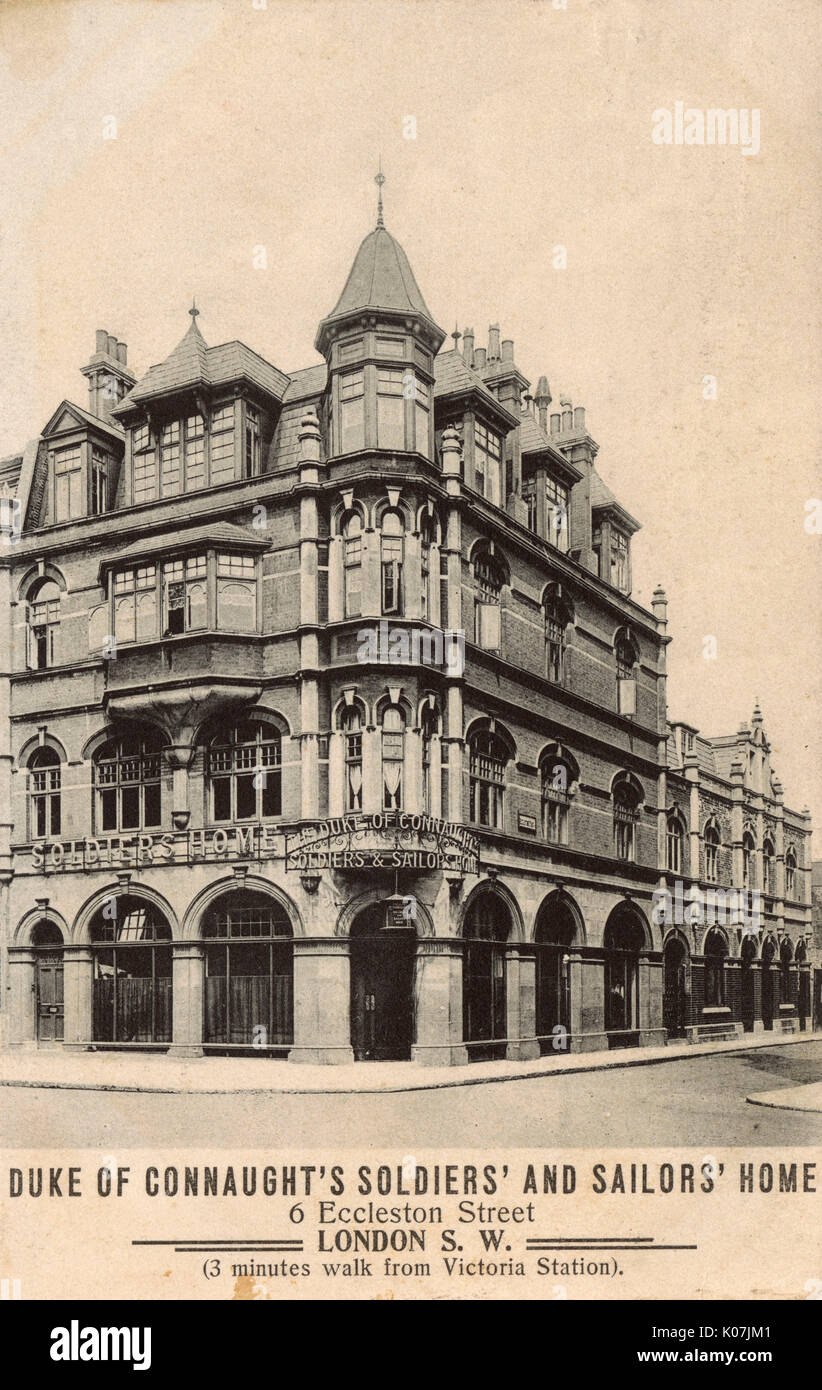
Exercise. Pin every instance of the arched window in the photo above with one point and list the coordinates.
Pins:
(626, 798)
(790, 874)
(352, 565)
(711, 853)
(43, 622)
(748, 860)
(489, 577)
(429, 728)
(785, 962)
(351, 725)
(127, 781)
(558, 775)
(768, 860)
(716, 951)
(249, 974)
(675, 841)
(131, 947)
(428, 537)
(626, 658)
(556, 622)
(44, 793)
(392, 545)
(623, 940)
(393, 757)
(484, 1015)
(488, 755)
(245, 772)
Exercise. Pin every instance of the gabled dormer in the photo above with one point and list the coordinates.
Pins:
(77, 467)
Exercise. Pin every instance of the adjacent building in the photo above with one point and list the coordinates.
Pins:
(330, 730)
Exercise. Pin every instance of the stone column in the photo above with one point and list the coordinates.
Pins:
(322, 1001)
(187, 986)
(78, 979)
(528, 1047)
(588, 999)
(651, 1030)
(438, 991)
(22, 1028)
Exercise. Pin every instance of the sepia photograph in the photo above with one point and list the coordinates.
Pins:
(410, 772)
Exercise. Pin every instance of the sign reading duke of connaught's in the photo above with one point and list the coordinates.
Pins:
(391, 840)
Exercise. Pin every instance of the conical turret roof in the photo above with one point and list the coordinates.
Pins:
(381, 279)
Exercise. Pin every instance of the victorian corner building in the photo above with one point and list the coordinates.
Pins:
(329, 728)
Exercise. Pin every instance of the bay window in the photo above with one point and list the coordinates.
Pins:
(352, 412)
(145, 466)
(135, 604)
(422, 417)
(236, 593)
(181, 597)
(195, 452)
(222, 444)
(352, 565)
(351, 726)
(170, 473)
(185, 601)
(390, 408)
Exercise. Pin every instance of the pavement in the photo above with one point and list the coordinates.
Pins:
(150, 1073)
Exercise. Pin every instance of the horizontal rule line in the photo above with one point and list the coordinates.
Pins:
(217, 1240)
(237, 1250)
(599, 1249)
(584, 1240)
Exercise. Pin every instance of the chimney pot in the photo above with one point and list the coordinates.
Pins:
(111, 346)
(556, 423)
(122, 353)
(507, 349)
(479, 359)
(493, 342)
(468, 347)
(579, 418)
(101, 344)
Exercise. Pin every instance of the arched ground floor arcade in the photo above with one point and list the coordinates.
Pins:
(245, 965)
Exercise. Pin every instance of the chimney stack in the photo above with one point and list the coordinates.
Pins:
(542, 396)
(493, 342)
(108, 375)
(468, 347)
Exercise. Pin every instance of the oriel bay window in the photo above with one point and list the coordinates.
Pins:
(185, 595)
(249, 974)
(127, 782)
(245, 772)
(236, 593)
(393, 754)
(352, 412)
(135, 604)
(44, 793)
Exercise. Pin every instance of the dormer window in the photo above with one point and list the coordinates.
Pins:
(170, 459)
(252, 441)
(557, 513)
(487, 463)
(222, 444)
(195, 452)
(68, 483)
(619, 560)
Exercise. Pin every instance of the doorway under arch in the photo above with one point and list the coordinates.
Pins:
(623, 940)
(249, 975)
(131, 993)
(675, 987)
(554, 934)
(382, 960)
(486, 931)
(47, 944)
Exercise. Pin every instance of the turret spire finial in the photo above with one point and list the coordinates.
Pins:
(379, 179)
(194, 311)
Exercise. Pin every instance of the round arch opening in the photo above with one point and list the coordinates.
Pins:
(382, 961)
(249, 975)
(623, 941)
(556, 931)
(487, 929)
(132, 974)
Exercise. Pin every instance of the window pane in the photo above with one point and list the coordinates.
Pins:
(246, 797)
(352, 432)
(151, 802)
(391, 421)
(222, 798)
(131, 807)
(236, 606)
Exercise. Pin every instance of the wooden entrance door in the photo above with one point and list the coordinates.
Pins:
(675, 988)
(50, 997)
(382, 984)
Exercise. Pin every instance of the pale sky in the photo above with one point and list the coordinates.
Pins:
(239, 127)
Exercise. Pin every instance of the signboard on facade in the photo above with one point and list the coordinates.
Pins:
(392, 840)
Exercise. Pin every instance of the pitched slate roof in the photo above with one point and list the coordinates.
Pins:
(308, 381)
(194, 363)
(109, 426)
(602, 496)
(452, 377)
(217, 533)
